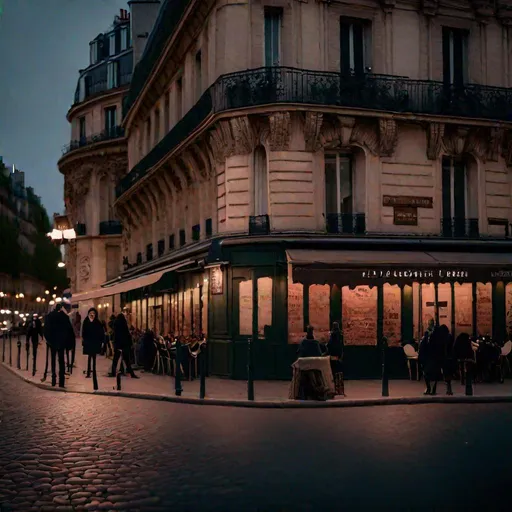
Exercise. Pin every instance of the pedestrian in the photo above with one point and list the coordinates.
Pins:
(335, 349)
(449, 362)
(59, 332)
(431, 357)
(35, 330)
(93, 337)
(122, 345)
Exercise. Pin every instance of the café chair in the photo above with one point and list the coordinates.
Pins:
(412, 355)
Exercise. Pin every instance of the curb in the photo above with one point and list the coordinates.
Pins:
(291, 404)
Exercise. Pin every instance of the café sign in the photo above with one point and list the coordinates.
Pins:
(408, 273)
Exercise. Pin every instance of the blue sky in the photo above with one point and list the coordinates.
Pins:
(43, 44)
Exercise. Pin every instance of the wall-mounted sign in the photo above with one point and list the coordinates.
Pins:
(216, 280)
(405, 216)
(415, 274)
(502, 274)
(415, 202)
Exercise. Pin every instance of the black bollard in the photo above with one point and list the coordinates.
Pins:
(18, 362)
(202, 369)
(27, 350)
(177, 378)
(385, 379)
(3, 347)
(10, 348)
(46, 364)
(468, 377)
(250, 377)
(118, 379)
(95, 379)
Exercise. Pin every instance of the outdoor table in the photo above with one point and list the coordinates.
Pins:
(322, 364)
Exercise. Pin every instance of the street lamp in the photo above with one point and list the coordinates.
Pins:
(61, 264)
(47, 292)
(62, 236)
(38, 299)
(52, 302)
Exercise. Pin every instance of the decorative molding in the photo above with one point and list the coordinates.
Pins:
(331, 134)
(71, 254)
(430, 7)
(231, 137)
(454, 140)
(506, 151)
(312, 127)
(365, 134)
(476, 143)
(84, 268)
(495, 140)
(387, 5)
(380, 139)
(484, 10)
(280, 131)
(388, 136)
(435, 134)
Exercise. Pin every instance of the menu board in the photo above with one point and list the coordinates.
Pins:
(245, 308)
(295, 312)
(319, 310)
(508, 307)
(196, 328)
(359, 315)
(204, 298)
(392, 314)
(187, 314)
(428, 311)
(484, 308)
(463, 308)
(264, 304)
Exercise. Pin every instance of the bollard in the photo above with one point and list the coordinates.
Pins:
(95, 379)
(250, 377)
(118, 379)
(3, 347)
(46, 364)
(27, 349)
(18, 362)
(468, 377)
(177, 378)
(385, 380)
(10, 348)
(202, 367)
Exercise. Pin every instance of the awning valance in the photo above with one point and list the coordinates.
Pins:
(372, 267)
(129, 284)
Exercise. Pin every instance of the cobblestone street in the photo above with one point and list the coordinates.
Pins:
(61, 451)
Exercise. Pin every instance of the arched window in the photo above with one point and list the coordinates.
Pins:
(260, 181)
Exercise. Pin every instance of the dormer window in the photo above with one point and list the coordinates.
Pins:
(94, 52)
(113, 74)
(112, 44)
(124, 39)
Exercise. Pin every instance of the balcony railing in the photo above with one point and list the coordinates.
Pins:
(346, 223)
(114, 133)
(264, 86)
(111, 227)
(459, 227)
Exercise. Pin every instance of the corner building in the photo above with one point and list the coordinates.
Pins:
(303, 162)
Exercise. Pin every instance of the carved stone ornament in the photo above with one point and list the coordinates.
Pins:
(231, 137)
(477, 143)
(507, 147)
(312, 127)
(280, 131)
(435, 133)
(380, 139)
(484, 9)
(387, 5)
(84, 269)
(454, 140)
(429, 7)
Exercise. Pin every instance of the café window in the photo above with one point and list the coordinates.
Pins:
(338, 184)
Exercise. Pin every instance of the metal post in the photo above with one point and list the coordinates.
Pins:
(385, 380)
(468, 378)
(46, 364)
(3, 347)
(250, 377)
(18, 344)
(177, 377)
(27, 350)
(202, 366)
(118, 379)
(10, 348)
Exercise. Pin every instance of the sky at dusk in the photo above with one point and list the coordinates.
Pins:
(43, 44)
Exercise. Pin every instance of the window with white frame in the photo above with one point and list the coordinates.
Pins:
(338, 184)
(112, 44)
(124, 38)
(112, 75)
(273, 21)
(355, 46)
(93, 52)
(110, 120)
(81, 89)
(260, 181)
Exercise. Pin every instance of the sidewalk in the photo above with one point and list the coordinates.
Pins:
(230, 392)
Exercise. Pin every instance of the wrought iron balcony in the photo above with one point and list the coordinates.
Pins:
(459, 227)
(114, 133)
(259, 225)
(346, 223)
(80, 229)
(265, 86)
(111, 227)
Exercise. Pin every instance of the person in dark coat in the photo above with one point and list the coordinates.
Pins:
(449, 360)
(59, 334)
(431, 357)
(93, 337)
(309, 347)
(122, 345)
(335, 349)
(35, 331)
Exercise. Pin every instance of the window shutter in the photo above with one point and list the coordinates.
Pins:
(345, 47)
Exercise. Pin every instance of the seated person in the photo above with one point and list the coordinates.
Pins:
(309, 347)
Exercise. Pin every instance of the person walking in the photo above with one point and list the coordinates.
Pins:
(59, 334)
(431, 356)
(35, 330)
(122, 345)
(93, 337)
(335, 348)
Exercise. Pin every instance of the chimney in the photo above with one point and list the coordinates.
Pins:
(143, 14)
